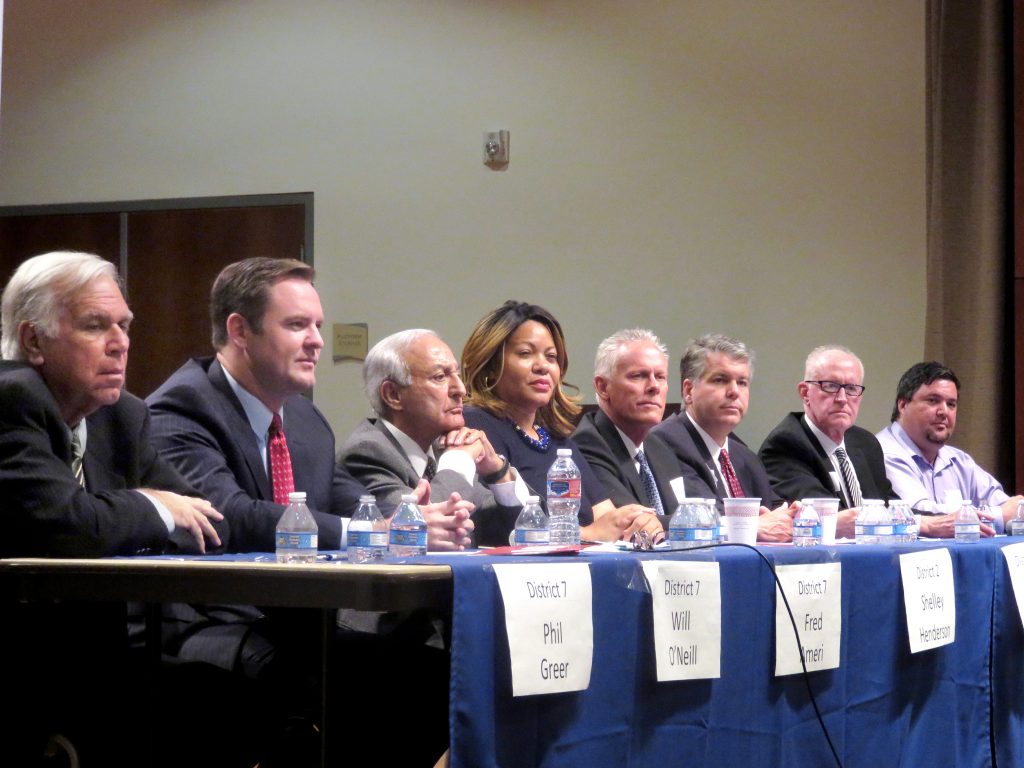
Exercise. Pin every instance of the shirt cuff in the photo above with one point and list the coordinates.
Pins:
(460, 462)
(511, 493)
(164, 512)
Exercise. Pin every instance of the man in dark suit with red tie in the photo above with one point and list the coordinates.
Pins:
(239, 428)
(716, 371)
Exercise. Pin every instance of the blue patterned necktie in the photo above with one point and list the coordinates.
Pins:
(649, 485)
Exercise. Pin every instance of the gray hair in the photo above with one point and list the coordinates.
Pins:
(386, 362)
(611, 349)
(695, 356)
(41, 289)
(818, 355)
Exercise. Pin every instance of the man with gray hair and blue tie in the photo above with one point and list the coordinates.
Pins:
(631, 383)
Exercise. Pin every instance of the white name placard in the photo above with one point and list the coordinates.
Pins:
(815, 595)
(687, 607)
(928, 598)
(550, 626)
(1014, 554)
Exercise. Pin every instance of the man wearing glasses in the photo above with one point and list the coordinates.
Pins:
(821, 452)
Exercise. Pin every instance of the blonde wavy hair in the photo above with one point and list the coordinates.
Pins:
(483, 362)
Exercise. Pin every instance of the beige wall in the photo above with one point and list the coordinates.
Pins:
(755, 168)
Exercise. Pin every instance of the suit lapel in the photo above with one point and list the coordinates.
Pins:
(706, 467)
(242, 430)
(824, 465)
(411, 478)
(664, 467)
(863, 471)
(627, 468)
(299, 450)
(97, 460)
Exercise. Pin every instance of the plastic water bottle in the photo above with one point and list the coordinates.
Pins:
(904, 519)
(898, 523)
(716, 519)
(690, 525)
(296, 538)
(806, 526)
(1016, 526)
(873, 526)
(564, 493)
(367, 533)
(966, 526)
(531, 525)
(408, 534)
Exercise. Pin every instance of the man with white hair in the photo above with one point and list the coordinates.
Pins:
(78, 473)
(79, 478)
(631, 382)
(821, 452)
(411, 379)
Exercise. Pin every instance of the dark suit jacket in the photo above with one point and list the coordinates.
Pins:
(600, 442)
(47, 512)
(799, 468)
(700, 474)
(200, 427)
(71, 668)
(375, 458)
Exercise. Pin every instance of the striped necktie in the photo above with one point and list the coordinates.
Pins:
(849, 478)
(77, 454)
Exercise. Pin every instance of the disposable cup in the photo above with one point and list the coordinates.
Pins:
(741, 520)
(828, 512)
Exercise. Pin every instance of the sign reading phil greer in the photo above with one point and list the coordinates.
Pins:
(550, 626)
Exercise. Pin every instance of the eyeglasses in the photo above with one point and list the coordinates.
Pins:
(833, 387)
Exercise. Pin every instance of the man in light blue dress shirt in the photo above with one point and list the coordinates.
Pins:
(923, 469)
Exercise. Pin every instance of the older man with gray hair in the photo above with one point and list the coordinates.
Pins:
(79, 477)
(821, 452)
(78, 472)
(631, 382)
(411, 379)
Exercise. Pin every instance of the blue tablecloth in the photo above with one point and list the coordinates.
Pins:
(956, 705)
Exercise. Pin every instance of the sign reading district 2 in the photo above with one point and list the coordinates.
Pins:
(550, 625)
(686, 599)
(928, 598)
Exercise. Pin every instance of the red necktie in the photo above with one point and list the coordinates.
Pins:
(281, 479)
(735, 489)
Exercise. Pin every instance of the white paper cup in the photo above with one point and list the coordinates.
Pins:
(828, 512)
(741, 520)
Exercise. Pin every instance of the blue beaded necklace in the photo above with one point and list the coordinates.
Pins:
(540, 444)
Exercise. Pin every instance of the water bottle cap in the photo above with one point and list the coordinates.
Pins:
(533, 499)
(368, 499)
(408, 498)
(296, 496)
(565, 451)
